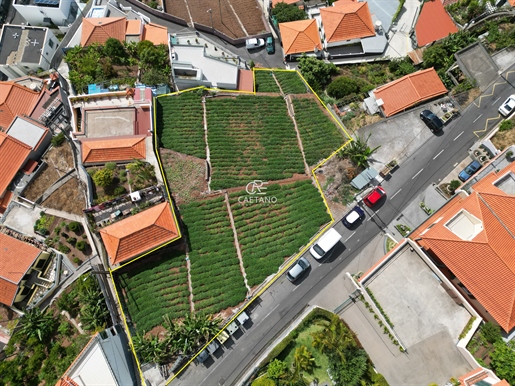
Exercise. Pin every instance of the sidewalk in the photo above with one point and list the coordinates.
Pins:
(60, 213)
(400, 43)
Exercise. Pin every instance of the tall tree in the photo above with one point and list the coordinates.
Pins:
(36, 324)
(503, 360)
(316, 72)
(284, 12)
(303, 359)
(334, 339)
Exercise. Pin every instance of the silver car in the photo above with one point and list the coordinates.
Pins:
(301, 266)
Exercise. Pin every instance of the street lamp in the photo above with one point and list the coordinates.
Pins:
(211, 14)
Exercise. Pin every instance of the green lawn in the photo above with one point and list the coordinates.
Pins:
(321, 360)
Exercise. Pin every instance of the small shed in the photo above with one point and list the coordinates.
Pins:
(364, 178)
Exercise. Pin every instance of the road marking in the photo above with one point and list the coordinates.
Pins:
(495, 101)
(456, 164)
(370, 218)
(273, 309)
(420, 171)
(438, 154)
(349, 236)
(396, 193)
(459, 135)
(477, 118)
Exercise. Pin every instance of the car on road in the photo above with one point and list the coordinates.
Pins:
(352, 218)
(471, 168)
(374, 196)
(508, 105)
(270, 46)
(434, 123)
(254, 43)
(301, 266)
(325, 244)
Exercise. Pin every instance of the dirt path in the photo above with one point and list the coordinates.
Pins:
(190, 287)
(291, 112)
(208, 153)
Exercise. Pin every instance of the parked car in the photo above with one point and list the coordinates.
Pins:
(471, 168)
(434, 123)
(301, 266)
(353, 217)
(374, 196)
(270, 46)
(508, 105)
(254, 43)
(325, 244)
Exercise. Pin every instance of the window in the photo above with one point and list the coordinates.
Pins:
(51, 43)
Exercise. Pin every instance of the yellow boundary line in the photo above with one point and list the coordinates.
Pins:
(278, 274)
(486, 125)
(505, 77)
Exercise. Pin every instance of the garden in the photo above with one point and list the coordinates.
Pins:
(154, 287)
(251, 138)
(269, 234)
(289, 81)
(45, 343)
(321, 350)
(117, 64)
(114, 180)
(180, 123)
(319, 134)
(216, 277)
(66, 236)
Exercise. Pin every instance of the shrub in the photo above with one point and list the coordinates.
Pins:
(77, 261)
(110, 165)
(453, 185)
(288, 12)
(119, 190)
(58, 140)
(506, 125)
(342, 86)
(63, 248)
(491, 332)
(71, 240)
(103, 177)
(81, 245)
(43, 231)
(74, 226)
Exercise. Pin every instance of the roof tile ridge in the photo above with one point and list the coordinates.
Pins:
(19, 142)
(10, 281)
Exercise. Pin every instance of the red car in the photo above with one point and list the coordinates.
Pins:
(374, 196)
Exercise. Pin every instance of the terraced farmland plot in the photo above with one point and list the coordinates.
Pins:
(270, 233)
(265, 81)
(159, 287)
(319, 134)
(251, 138)
(290, 82)
(180, 123)
(216, 277)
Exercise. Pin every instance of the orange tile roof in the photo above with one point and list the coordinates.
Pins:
(155, 33)
(113, 149)
(347, 20)
(66, 381)
(409, 91)
(15, 100)
(484, 264)
(5, 200)
(139, 233)
(16, 257)
(512, 2)
(99, 29)
(300, 36)
(473, 376)
(133, 27)
(13, 154)
(434, 23)
(503, 382)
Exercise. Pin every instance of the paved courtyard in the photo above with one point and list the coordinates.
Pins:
(110, 122)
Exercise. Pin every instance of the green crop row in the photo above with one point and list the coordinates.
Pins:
(290, 82)
(319, 134)
(265, 82)
(269, 234)
(215, 270)
(158, 289)
(180, 123)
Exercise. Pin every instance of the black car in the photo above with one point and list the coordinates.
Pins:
(432, 121)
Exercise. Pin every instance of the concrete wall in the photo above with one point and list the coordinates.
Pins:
(35, 14)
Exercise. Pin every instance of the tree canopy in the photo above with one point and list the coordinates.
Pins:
(288, 12)
(316, 72)
(503, 360)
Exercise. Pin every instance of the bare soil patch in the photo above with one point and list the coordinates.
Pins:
(467, 97)
(68, 198)
(186, 175)
(59, 161)
(503, 139)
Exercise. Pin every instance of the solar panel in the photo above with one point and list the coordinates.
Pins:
(46, 2)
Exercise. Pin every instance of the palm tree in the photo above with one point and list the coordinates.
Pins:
(150, 348)
(36, 324)
(334, 339)
(303, 359)
(359, 152)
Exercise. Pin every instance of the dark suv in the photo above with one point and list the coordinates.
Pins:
(434, 123)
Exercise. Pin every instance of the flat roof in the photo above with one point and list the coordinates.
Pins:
(21, 44)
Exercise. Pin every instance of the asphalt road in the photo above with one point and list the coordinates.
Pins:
(283, 300)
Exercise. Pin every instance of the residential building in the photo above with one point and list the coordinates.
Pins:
(31, 133)
(300, 37)
(47, 12)
(122, 149)
(472, 239)
(481, 377)
(106, 361)
(433, 23)
(406, 92)
(28, 271)
(131, 237)
(26, 50)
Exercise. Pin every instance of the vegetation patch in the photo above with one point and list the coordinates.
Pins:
(180, 123)
(265, 81)
(216, 277)
(319, 134)
(251, 138)
(290, 82)
(270, 233)
(158, 288)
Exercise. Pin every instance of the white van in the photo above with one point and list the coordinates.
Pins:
(325, 244)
